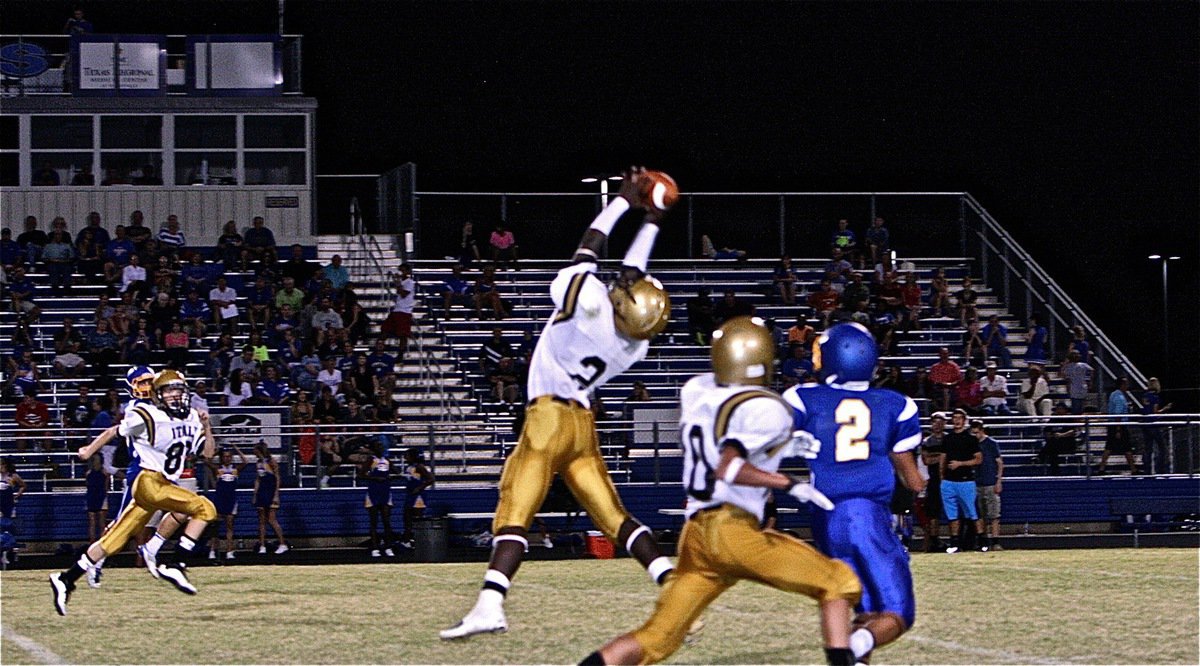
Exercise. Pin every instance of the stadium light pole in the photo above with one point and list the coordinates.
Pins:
(603, 180)
(1165, 259)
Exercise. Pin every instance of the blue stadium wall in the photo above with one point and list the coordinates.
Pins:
(339, 512)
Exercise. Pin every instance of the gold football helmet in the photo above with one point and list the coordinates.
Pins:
(743, 352)
(171, 392)
(640, 309)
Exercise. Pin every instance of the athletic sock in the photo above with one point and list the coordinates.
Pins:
(839, 656)
(100, 563)
(81, 565)
(660, 569)
(155, 543)
(495, 588)
(862, 642)
(593, 659)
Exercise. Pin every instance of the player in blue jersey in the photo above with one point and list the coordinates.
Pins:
(866, 433)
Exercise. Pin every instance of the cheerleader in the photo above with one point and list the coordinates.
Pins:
(266, 498)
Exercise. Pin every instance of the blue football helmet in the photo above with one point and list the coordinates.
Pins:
(139, 380)
(845, 353)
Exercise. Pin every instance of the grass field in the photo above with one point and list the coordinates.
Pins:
(1067, 606)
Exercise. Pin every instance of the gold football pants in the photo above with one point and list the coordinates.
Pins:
(152, 492)
(721, 546)
(559, 437)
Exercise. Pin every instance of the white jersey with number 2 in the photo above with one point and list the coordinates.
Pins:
(712, 417)
(161, 442)
(580, 349)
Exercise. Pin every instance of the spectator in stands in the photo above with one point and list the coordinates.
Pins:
(910, 295)
(731, 306)
(1156, 453)
(176, 342)
(399, 321)
(857, 295)
(801, 333)
(45, 176)
(503, 247)
(25, 376)
(199, 398)
(11, 254)
(289, 295)
(137, 231)
(149, 176)
(487, 295)
(701, 322)
(33, 419)
(297, 267)
(259, 298)
(639, 393)
(59, 255)
(117, 252)
(96, 226)
(506, 384)
(974, 351)
(195, 314)
(1035, 338)
(891, 298)
(237, 389)
(327, 405)
(326, 322)
(170, 238)
(889, 377)
(244, 362)
(995, 336)
(230, 245)
(358, 322)
(266, 498)
(260, 243)
(1059, 439)
(381, 362)
(825, 301)
(468, 248)
(330, 376)
(196, 274)
(336, 273)
(939, 293)
(994, 389)
(97, 482)
(222, 299)
(1120, 404)
(77, 416)
(69, 363)
(494, 350)
(1034, 398)
(709, 250)
(456, 290)
(90, 256)
(967, 297)
(133, 277)
(284, 321)
(1080, 344)
(67, 335)
(139, 344)
(838, 270)
(1078, 376)
(784, 280)
(797, 368)
(21, 290)
(161, 312)
(945, 375)
(989, 483)
(960, 457)
(32, 240)
(271, 389)
(920, 388)
(363, 378)
(878, 240)
(844, 239)
(103, 346)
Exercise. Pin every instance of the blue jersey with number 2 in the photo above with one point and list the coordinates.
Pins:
(858, 428)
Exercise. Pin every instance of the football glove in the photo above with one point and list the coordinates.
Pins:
(805, 492)
(804, 445)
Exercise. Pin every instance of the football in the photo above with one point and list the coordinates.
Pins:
(659, 189)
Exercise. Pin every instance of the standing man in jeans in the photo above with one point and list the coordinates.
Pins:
(960, 456)
(989, 480)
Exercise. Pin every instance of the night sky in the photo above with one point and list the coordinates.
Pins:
(1075, 124)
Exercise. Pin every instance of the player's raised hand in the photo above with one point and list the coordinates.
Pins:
(203, 416)
(805, 492)
(83, 452)
(804, 445)
(630, 189)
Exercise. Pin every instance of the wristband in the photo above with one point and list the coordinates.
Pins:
(731, 471)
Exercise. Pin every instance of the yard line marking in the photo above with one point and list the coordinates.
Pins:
(35, 649)
(1014, 657)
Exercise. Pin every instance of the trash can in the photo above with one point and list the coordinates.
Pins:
(431, 538)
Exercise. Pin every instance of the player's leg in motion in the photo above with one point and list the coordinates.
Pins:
(858, 531)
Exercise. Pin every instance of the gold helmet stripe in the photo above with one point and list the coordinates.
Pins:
(141, 411)
(725, 411)
(573, 289)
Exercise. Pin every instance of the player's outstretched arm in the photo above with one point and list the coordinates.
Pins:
(96, 444)
(628, 197)
(906, 466)
(210, 442)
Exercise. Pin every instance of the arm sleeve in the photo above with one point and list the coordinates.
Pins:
(758, 423)
(908, 428)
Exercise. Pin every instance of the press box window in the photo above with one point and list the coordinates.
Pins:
(206, 132)
(61, 132)
(274, 132)
(131, 132)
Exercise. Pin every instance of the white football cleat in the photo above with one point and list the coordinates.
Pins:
(389, 552)
(176, 574)
(93, 577)
(62, 592)
(150, 559)
(262, 550)
(478, 621)
(282, 548)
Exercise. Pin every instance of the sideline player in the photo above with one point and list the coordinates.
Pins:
(734, 432)
(867, 433)
(593, 335)
(163, 434)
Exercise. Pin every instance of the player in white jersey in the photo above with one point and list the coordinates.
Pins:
(163, 435)
(734, 432)
(594, 334)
